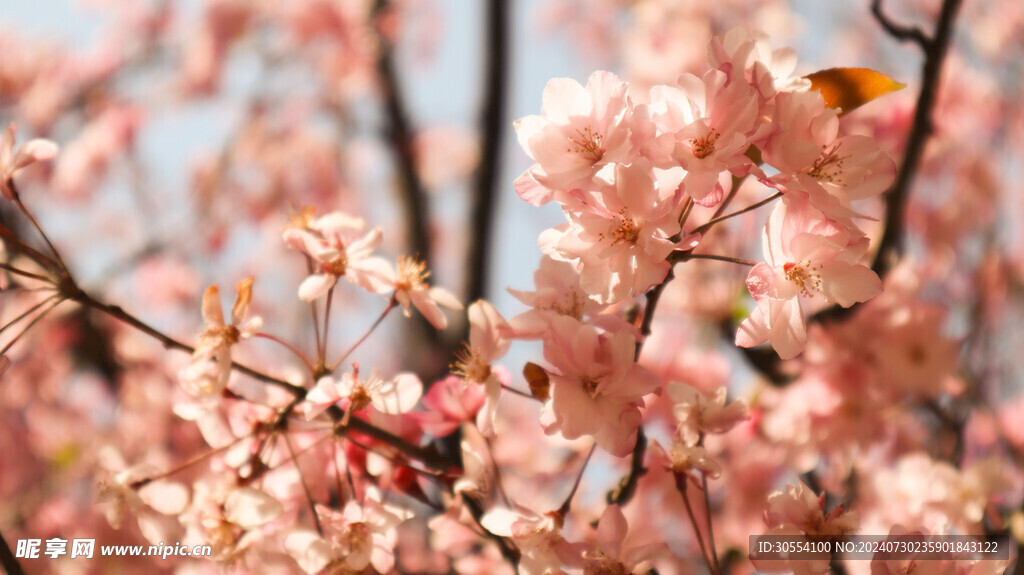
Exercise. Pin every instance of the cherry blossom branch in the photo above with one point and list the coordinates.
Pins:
(7, 560)
(399, 132)
(428, 456)
(686, 256)
(681, 487)
(508, 549)
(17, 202)
(32, 323)
(316, 320)
(707, 516)
(515, 391)
(295, 351)
(705, 226)
(898, 31)
(169, 342)
(12, 241)
(563, 510)
(24, 273)
(28, 312)
(321, 357)
(305, 485)
(935, 48)
(627, 487)
(183, 466)
(492, 128)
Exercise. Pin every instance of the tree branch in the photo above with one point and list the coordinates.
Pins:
(7, 560)
(399, 133)
(492, 129)
(891, 245)
(898, 31)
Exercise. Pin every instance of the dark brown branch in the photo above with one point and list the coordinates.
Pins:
(400, 136)
(7, 560)
(169, 342)
(898, 31)
(626, 488)
(935, 50)
(492, 130)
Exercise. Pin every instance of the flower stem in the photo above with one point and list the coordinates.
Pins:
(707, 225)
(391, 305)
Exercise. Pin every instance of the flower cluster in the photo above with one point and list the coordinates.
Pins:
(627, 174)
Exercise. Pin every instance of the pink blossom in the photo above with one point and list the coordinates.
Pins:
(330, 243)
(203, 378)
(798, 511)
(538, 537)
(705, 126)
(580, 130)
(449, 403)
(363, 534)
(620, 235)
(394, 396)
(683, 458)
(487, 342)
(832, 168)
(806, 255)
(746, 55)
(411, 289)
(699, 414)
(558, 292)
(609, 555)
(11, 160)
(596, 387)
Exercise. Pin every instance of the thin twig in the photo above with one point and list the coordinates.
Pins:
(32, 324)
(321, 358)
(169, 342)
(391, 305)
(24, 273)
(681, 487)
(35, 224)
(685, 256)
(295, 351)
(707, 516)
(704, 227)
(515, 391)
(563, 510)
(28, 312)
(305, 486)
(899, 31)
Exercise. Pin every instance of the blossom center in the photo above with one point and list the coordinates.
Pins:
(805, 276)
(411, 273)
(221, 335)
(470, 365)
(356, 537)
(587, 143)
(338, 265)
(568, 304)
(301, 219)
(600, 564)
(590, 386)
(703, 147)
(829, 166)
(360, 398)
